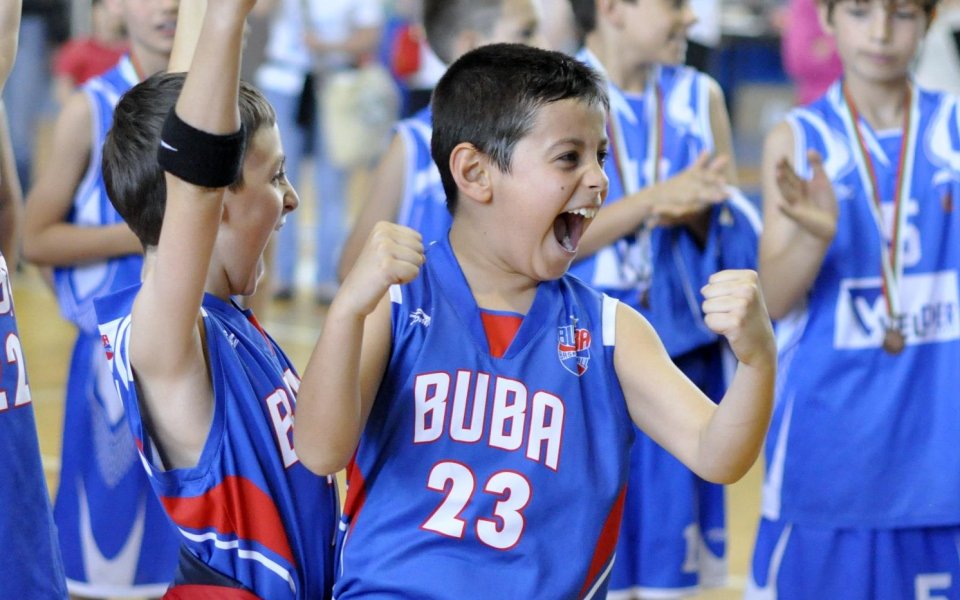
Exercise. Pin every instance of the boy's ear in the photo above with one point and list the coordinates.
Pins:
(825, 16)
(471, 171)
(609, 11)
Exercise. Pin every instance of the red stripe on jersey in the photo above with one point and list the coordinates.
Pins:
(235, 507)
(606, 544)
(500, 330)
(207, 592)
(356, 491)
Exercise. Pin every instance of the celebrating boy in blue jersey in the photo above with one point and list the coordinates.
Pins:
(491, 395)
(209, 395)
(33, 568)
(671, 220)
(859, 260)
(406, 187)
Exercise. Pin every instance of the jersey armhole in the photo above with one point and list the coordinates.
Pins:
(609, 321)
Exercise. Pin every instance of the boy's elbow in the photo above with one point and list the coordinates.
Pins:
(321, 459)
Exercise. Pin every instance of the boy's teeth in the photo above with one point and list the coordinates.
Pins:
(588, 213)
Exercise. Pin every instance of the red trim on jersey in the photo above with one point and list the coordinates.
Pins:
(500, 330)
(606, 544)
(207, 592)
(235, 507)
(356, 492)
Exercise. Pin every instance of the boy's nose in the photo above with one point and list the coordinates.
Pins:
(290, 199)
(881, 18)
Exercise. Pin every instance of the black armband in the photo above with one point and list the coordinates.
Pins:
(197, 157)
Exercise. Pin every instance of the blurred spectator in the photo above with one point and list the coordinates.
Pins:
(45, 25)
(938, 62)
(307, 40)
(809, 54)
(558, 28)
(84, 57)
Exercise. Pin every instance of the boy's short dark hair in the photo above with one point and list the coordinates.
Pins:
(490, 98)
(133, 177)
(927, 6)
(444, 20)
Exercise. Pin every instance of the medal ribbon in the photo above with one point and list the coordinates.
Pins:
(891, 255)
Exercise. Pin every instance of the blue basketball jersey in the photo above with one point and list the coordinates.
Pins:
(483, 477)
(249, 509)
(679, 265)
(424, 203)
(860, 437)
(114, 536)
(31, 567)
(78, 285)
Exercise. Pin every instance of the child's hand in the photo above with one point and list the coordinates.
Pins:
(733, 307)
(686, 195)
(810, 204)
(392, 254)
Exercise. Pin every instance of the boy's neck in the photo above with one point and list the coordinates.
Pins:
(881, 105)
(622, 72)
(493, 287)
(148, 63)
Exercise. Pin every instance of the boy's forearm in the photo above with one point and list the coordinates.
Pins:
(65, 244)
(733, 437)
(208, 100)
(787, 269)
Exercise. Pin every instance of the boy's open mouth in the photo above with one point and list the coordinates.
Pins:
(568, 227)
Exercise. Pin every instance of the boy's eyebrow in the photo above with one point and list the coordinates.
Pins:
(579, 143)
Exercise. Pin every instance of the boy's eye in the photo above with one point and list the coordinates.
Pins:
(602, 157)
(571, 157)
(280, 176)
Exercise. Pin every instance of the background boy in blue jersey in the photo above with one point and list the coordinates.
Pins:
(859, 260)
(406, 188)
(490, 394)
(670, 221)
(33, 568)
(209, 395)
(104, 509)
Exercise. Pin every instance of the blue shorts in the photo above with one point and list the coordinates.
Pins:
(799, 562)
(673, 535)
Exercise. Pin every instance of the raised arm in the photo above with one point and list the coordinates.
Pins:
(173, 375)
(718, 442)
(383, 204)
(189, 21)
(9, 36)
(347, 365)
(11, 196)
(799, 222)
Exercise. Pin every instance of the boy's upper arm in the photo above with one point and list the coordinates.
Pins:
(383, 203)
(720, 129)
(660, 399)
(51, 197)
(777, 227)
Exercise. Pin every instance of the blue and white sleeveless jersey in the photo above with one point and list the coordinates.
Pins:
(78, 285)
(861, 438)
(680, 264)
(483, 477)
(249, 508)
(424, 203)
(32, 567)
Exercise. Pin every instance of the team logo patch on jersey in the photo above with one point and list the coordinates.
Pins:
(930, 305)
(107, 346)
(573, 348)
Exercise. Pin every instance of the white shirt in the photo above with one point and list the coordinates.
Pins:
(287, 58)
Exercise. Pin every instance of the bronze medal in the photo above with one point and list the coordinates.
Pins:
(893, 341)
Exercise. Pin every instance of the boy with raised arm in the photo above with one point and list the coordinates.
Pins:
(209, 395)
(486, 399)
